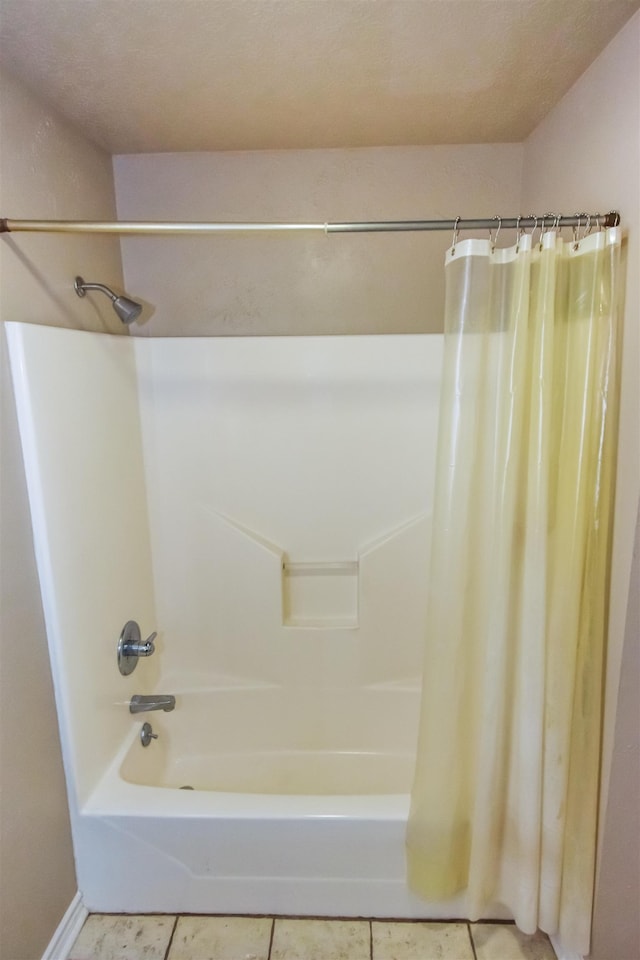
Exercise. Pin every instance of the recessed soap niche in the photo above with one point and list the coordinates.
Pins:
(320, 594)
(375, 591)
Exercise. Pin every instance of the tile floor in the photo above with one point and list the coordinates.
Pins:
(117, 937)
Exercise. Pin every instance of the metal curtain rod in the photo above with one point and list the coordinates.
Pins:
(610, 219)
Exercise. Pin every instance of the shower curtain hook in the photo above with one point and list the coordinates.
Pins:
(587, 221)
(455, 235)
(542, 225)
(533, 217)
(576, 232)
(493, 241)
(553, 221)
(544, 221)
(518, 232)
(589, 226)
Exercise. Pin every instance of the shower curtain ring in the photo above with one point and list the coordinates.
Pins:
(455, 235)
(533, 217)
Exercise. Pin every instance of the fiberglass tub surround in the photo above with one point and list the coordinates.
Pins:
(265, 505)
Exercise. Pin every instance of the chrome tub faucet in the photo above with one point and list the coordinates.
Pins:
(156, 701)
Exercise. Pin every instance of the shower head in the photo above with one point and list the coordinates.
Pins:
(128, 310)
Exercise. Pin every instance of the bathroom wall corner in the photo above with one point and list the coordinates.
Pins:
(46, 169)
(585, 155)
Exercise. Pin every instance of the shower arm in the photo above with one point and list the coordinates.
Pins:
(82, 287)
(585, 220)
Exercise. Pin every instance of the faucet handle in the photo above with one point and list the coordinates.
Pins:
(147, 648)
(130, 647)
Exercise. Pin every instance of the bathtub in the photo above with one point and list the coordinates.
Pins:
(263, 740)
(286, 815)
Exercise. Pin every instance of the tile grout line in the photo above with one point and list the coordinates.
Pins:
(370, 940)
(173, 931)
(273, 930)
(473, 946)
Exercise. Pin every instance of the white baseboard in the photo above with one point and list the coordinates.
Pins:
(561, 953)
(67, 930)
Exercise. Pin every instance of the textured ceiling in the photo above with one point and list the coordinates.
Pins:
(170, 75)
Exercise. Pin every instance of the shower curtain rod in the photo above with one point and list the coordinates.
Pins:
(152, 228)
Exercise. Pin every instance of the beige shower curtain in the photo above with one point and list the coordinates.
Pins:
(504, 802)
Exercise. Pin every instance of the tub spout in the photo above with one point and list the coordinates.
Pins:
(157, 701)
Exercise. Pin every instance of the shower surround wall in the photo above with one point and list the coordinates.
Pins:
(286, 494)
(289, 484)
(81, 442)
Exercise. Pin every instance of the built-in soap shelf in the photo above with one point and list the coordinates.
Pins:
(320, 594)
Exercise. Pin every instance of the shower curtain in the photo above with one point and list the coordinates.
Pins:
(504, 802)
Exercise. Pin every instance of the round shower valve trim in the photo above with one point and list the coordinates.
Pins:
(130, 647)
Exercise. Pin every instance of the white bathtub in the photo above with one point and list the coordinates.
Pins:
(262, 739)
(299, 805)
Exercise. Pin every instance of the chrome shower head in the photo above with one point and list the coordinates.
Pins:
(128, 310)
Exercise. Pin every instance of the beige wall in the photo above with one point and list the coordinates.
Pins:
(586, 155)
(304, 284)
(616, 926)
(46, 170)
